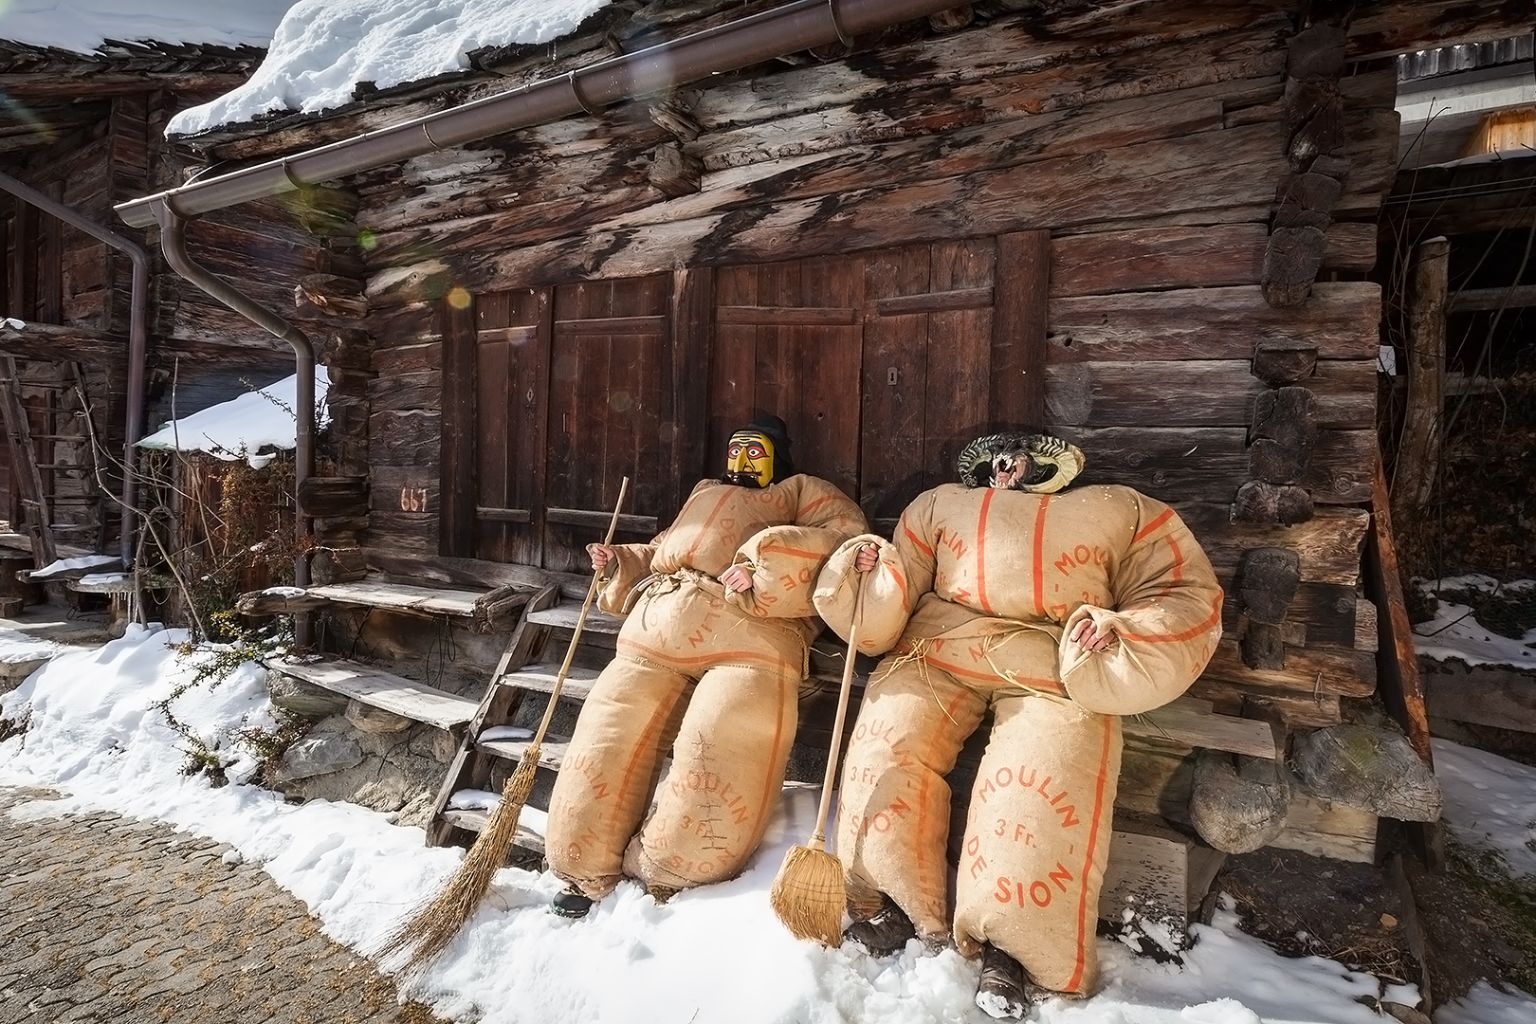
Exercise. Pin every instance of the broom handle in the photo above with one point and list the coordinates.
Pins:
(581, 621)
(819, 838)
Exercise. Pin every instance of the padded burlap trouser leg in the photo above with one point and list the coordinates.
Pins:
(727, 769)
(1037, 838)
(604, 785)
(893, 802)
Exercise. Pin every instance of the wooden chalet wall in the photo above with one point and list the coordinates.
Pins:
(1150, 229)
(894, 252)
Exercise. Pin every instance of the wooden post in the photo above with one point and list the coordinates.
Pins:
(1401, 688)
(457, 446)
(1418, 453)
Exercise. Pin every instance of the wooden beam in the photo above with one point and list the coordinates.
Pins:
(1519, 296)
(58, 342)
(1020, 318)
(1384, 28)
(686, 364)
(1418, 454)
(459, 429)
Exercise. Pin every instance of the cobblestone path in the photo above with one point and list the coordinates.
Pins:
(123, 922)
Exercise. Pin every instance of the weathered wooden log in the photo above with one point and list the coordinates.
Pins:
(1239, 804)
(278, 601)
(952, 20)
(1263, 645)
(329, 295)
(1375, 769)
(1418, 456)
(674, 116)
(334, 496)
(1259, 502)
(500, 607)
(1280, 363)
(1291, 263)
(675, 173)
(1284, 432)
(1267, 582)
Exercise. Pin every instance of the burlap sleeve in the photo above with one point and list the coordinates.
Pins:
(632, 565)
(903, 574)
(1167, 618)
(785, 560)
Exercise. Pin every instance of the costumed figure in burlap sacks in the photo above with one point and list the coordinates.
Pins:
(1059, 611)
(710, 660)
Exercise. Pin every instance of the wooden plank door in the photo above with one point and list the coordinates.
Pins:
(788, 341)
(928, 336)
(511, 401)
(609, 413)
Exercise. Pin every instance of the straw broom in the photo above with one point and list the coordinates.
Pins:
(809, 894)
(429, 931)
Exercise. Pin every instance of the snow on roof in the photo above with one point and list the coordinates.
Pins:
(241, 427)
(324, 48)
(85, 25)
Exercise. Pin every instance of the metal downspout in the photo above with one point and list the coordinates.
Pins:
(137, 341)
(173, 242)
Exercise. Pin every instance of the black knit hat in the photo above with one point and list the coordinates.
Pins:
(775, 430)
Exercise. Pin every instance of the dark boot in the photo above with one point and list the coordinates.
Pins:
(1000, 992)
(571, 902)
(885, 933)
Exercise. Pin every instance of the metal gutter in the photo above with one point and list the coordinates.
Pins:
(173, 241)
(137, 340)
(802, 25)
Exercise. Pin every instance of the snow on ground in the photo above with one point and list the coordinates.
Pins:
(1487, 1005)
(83, 25)
(1490, 803)
(62, 565)
(1455, 633)
(17, 648)
(241, 427)
(324, 48)
(715, 954)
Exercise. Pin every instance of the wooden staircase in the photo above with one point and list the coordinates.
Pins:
(43, 483)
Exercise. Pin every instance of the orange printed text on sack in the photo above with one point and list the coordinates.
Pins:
(591, 769)
(1039, 892)
(695, 781)
(880, 821)
(706, 629)
(1080, 556)
(1028, 779)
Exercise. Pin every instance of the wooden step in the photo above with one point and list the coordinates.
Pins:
(74, 438)
(383, 690)
(541, 679)
(550, 754)
(564, 616)
(475, 821)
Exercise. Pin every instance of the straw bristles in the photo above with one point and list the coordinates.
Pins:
(808, 895)
(432, 927)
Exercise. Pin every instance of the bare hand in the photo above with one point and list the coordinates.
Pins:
(1089, 638)
(737, 579)
(601, 554)
(868, 558)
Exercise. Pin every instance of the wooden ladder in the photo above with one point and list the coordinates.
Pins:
(516, 679)
(27, 475)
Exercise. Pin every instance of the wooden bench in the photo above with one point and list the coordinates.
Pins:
(487, 609)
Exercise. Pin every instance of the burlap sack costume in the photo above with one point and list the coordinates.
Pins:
(715, 677)
(975, 599)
